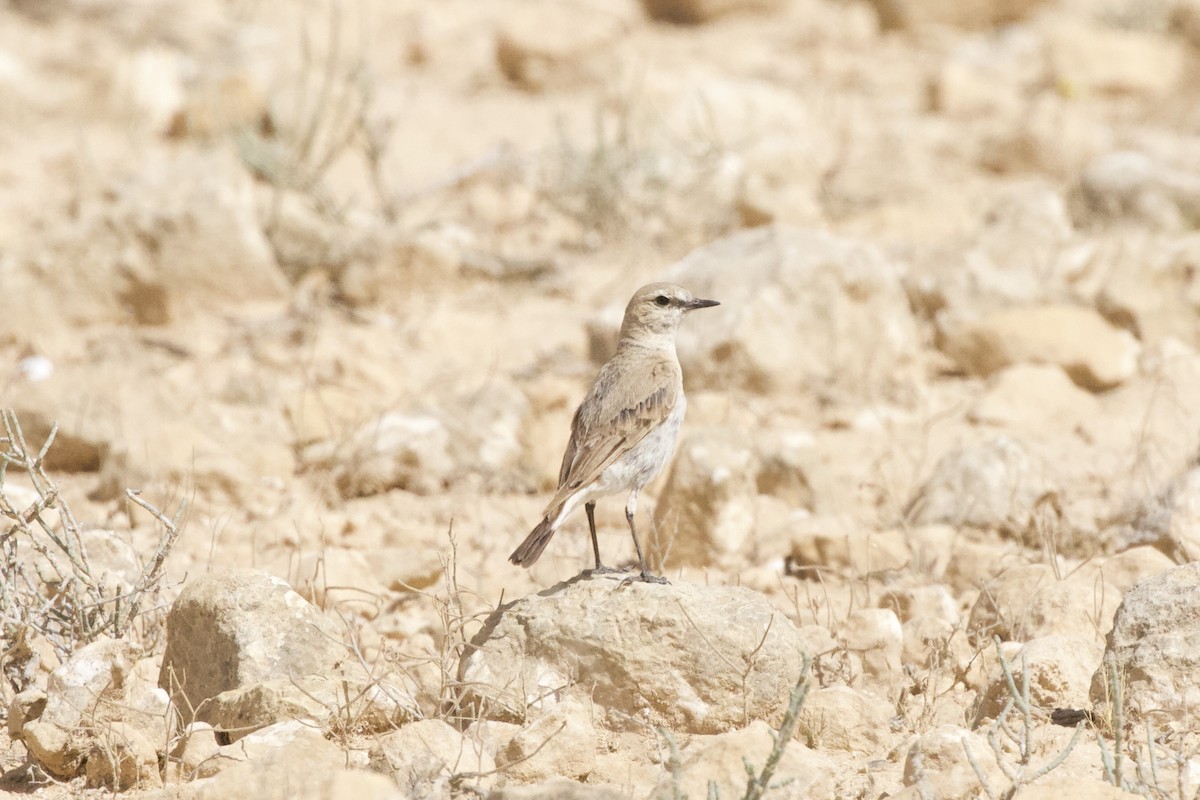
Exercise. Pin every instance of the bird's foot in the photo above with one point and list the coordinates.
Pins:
(646, 577)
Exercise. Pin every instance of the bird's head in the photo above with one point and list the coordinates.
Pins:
(657, 309)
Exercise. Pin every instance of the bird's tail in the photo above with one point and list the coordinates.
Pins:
(530, 549)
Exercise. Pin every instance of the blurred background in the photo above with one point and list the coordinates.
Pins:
(339, 272)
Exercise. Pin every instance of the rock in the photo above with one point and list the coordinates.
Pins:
(372, 704)
(1028, 602)
(1060, 673)
(1129, 184)
(915, 14)
(723, 760)
(990, 486)
(232, 629)
(875, 636)
(339, 578)
(858, 551)
(1039, 398)
(705, 515)
(27, 705)
(842, 718)
(93, 699)
(783, 460)
(1168, 521)
(1092, 352)
(780, 183)
(1088, 59)
(291, 761)
(779, 285)
(664, 654)
(988, 75)
(1128, 568)
(121, 758)
(1152, 645)
(692, 12)
(550, 45)
(558, 789)
(197, 745)
(560, 742)
(931, 601)
(937, 764)
(422, 756)
(1054, 787)
(397, 451)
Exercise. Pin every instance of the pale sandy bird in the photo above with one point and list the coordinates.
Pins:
(624, 431)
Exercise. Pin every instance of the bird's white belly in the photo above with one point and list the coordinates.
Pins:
(646, 459)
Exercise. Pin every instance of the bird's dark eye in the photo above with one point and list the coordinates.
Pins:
(662, 300)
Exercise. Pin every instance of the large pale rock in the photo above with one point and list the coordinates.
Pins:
(180, 238)
(857, 550)
(1154, 645)
(706, 513)
(1168, 521)
(328, 701)
(780, 285)
(1055, 787)
(122, 757)
(422, 756)
(992, 485)
(1059, 669)
(560, 742)
(557, 789)
(1038, 398)
(913, 14)
(1029, 601)
(542, 45)
(842, 718)
(1094, 59)
(1092, 352)
(698, 11)
(875, 637)
(723, 759)
(699, 659)
(228, 630)
(292, 762)
(1132, 185)
(937, 764)
(98, 701)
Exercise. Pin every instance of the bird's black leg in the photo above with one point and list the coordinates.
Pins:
(630, 508)
(600, 569)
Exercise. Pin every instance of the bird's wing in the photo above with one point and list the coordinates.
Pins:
(621, 408)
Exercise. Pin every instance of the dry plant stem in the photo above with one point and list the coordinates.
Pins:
(1112, 760)
(757, 785)
(1020, 774)
(61, 597)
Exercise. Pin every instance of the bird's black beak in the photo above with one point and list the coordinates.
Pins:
(698, 303)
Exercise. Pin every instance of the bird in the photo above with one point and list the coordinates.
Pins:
(624, 431)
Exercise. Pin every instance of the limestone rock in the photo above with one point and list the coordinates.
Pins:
(698, 11)
(1060, 673)
(291, 761)
(1130, 567)
(1094, 59)
(876, 638)
(397, 451)
(937, 763)
(93, 699)
(197, 745)
(1035, 397)
(422, 756)
(706, 512)
(779, 285)
(914, 14)
(992, 485)
(1152, 645)
(722, 759)
(1028, 602)
(374, 704)
(858, 550)
(560, 742)
(121, 758)
(557, 789)
(544, 45)
(637, 650)
(842, 718)
(1092, 352)
(1132, 185)
(1053, 787)
(1168, 521)
(235, 628)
